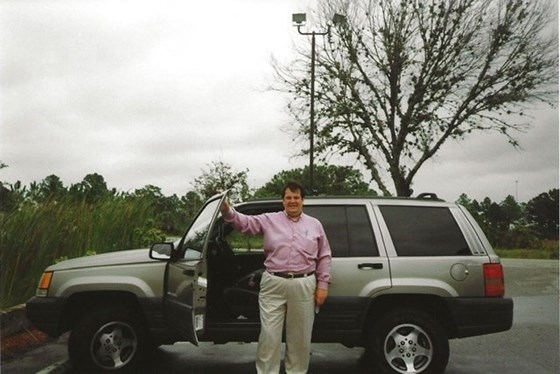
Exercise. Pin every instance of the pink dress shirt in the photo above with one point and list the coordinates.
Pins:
(296, 247)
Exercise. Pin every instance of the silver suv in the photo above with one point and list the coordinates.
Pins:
(408, 274)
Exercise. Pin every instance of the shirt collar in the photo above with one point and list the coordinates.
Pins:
(292, 219)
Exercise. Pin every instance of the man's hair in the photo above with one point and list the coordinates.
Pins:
(293, 186)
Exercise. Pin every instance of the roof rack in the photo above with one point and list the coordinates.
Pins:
(428, 196)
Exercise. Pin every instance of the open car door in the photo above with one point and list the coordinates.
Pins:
(186, 275)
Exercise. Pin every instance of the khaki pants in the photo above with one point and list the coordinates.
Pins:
(290, 301)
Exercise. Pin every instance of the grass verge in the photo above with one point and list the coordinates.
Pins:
(535, 254)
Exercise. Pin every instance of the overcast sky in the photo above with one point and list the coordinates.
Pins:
(151, 92)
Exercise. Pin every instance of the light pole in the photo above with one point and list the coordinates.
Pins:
(299, 19)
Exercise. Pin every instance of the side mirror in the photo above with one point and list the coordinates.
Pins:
(161, 251)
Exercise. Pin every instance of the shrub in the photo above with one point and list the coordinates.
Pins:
(550, 247)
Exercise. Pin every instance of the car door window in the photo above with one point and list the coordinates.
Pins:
(193, 243)
(333, 219)
(348, 229)
(362, 241)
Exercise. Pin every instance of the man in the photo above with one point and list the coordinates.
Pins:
(296, 280)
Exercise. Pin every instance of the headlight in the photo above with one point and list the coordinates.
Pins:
(45, 283)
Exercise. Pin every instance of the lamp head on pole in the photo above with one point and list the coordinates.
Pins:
(339, 19)
(299, 19)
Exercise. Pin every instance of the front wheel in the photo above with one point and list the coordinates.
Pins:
(108, 339)
(407, 341)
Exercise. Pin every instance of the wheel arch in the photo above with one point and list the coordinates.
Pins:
(81, 303)
(429, 304)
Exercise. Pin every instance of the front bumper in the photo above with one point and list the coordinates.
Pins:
(45, 314)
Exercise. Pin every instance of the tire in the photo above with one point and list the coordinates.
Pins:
(407, 341)
(108, 338)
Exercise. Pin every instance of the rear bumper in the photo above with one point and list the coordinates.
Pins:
(479, 316)
(45, 314)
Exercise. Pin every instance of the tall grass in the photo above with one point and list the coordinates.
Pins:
(36, 235)
(545, 249)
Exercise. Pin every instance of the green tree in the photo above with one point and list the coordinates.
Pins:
(467, 202)
(492, 217)
(513, 225)
(8, 199)
(220, 177)
(473, 207)
(329, 180)
(11, 194)
(51, 187)
(91, 189)
(169, 212)
(402, 78)
(192, 204)
(512, 211)
(542, 214)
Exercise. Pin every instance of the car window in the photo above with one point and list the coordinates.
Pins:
(334, 222)
(362, 241)
(348, 229)
(196, 236)
(424, 231)
(240, 242)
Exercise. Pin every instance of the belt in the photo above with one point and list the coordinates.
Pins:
(292, 275)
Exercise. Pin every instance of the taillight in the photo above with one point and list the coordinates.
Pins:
(494, 280)
(45, 283)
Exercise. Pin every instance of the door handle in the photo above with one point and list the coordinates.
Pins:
(189, 272)
(368, 265)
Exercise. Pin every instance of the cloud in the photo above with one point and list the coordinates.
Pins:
(486, 165)
(146, 92)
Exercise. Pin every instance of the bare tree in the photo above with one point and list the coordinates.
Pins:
(402, 77)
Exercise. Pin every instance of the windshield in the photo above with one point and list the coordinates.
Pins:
(193, 244)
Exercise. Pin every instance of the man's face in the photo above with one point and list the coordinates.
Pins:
(293, 202)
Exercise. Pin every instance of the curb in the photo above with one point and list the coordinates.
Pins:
(13, 320)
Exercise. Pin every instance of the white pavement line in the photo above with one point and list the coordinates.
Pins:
(58, 367)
